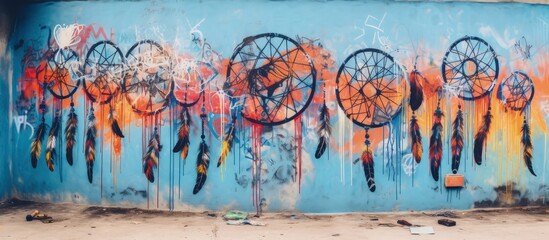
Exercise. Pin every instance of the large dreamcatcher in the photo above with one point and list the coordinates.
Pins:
(470, 69)
(370, 88)
(148, 85)
(103, 72)
(271, 81)
(516, 93)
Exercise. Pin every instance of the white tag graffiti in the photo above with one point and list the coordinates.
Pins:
(21, 120)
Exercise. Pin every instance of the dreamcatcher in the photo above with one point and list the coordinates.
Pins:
(61, 76)
(188, 89)
(148, 85)
(516, 93)
(103, 71)
(273, 81)
(369, 89)
(470, 69)
(64, 74)
(189, 81)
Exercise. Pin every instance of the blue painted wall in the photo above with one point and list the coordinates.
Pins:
(5, 65)
(329, 184)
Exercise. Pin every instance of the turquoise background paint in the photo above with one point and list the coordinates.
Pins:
(337, 26)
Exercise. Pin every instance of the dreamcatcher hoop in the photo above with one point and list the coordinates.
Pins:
(189, 77)
(148, 81)
(370, 88)
(471, 66)
(516, 91)
(274, 76)
(103, 71)
(62, 73)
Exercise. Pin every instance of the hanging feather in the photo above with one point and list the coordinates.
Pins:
(36, 146)
(368, 164)
(416, 90)
(114, 125)
(183, 141)
(527, 147)
(90, 145)
(52, 141)
(227, 144)
(150, 160)
(480, 137)
(324, 131)
(202, 164)
(70, 135)
(415, 135)
(435, 144)
(457, 140)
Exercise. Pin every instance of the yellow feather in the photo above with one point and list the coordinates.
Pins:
(201, 169)
(36, 148)
(224, 152)
(184, 152)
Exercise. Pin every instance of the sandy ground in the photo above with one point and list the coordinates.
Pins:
(88, 222)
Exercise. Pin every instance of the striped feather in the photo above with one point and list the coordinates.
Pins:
(183, 140)
(416, 90)
(324, 132)
(151, 158)
(70, 135)
(36, 146)
(368, 165)
(89, 147)
(435, 144)
(415, 136)
(480, 137)
(202, 164)
(527, 147)
(51, 143)
(227, 144)
(457, 140)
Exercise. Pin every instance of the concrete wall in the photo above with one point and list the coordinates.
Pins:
(209, 32)
(6, 23)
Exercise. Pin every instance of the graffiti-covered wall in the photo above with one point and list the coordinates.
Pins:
(311, 106)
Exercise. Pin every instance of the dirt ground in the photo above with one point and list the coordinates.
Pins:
(88, 222)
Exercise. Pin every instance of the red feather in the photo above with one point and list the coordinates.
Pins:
(457, 140)
(368, 164)
(183, 140)
(416, 90)
(435, 144)
(415, 136)
(90, 145)
(151, 158)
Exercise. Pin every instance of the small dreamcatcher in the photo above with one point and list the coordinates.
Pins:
(516, 93)
(369, 88)
(148, 85)
(103, 71)
(189, 79)
(272, 79)
(470, 67)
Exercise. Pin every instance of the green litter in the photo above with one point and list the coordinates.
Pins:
(235, 215)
